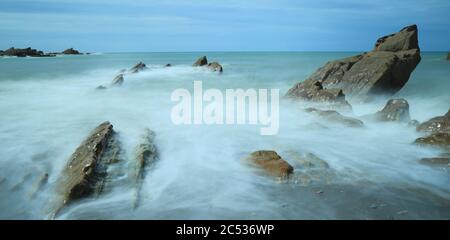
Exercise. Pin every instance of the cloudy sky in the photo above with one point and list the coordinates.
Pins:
(218, 25)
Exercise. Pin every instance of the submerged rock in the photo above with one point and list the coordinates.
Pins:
(336, 117)
(395, 110)
(40, 184)
(202, 61)
(138, 67)
(413, 123)
(168, 65)
(272, 163)
(438, 139)
(385, 70)
(215, 66)
(436, 161)
(101, 87)
(146, 155)
(448, 56)
(71, 51)
(86, 169)
(118, 80)
(436, 124)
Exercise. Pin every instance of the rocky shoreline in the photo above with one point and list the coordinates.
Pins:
(379, 73)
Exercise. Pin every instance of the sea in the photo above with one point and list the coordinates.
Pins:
(49, 105)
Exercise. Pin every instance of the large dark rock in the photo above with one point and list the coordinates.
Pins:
(202, 61)
(385, 70)
(86, 170)
(24, 52)
(336, 117)
(396, 110)
(138, 67)
(436, 124)
(272, 163)
(448, 56)
(215, 66)
(71, 51)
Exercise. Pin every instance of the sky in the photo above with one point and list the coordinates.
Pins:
(218, 25)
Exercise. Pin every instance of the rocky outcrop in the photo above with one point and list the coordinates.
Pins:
(395, 110)
(315, 92)
(385, 70)
(202, 61)
(215, 67)
(448, 56)
(436, 124)
(101, 87)
(24, 52)
(336, 117)
(168, 65)
(272, 163)
(140, 66)
(118, 80)
(438, 139)
(71, 51)
(146, 155)
(86, 170)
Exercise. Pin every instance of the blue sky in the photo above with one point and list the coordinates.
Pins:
(218, 25)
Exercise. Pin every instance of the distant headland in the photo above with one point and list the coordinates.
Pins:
(30, 52)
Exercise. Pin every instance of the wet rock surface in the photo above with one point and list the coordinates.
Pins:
(272, 163)
(215, 67)
(336, 117)
(395, 110)
(436, 124)
(140, 66)
(385, 70)
(146, 155)
(87, 167)
(202, 61)
(314, 91)
(118, 80)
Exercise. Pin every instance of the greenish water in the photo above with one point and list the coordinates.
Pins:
(49, 105)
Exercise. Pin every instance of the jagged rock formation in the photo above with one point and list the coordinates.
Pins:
(87, 167)
(146, 155)
(140, 66)
(438, 139)
(118, 80)
(202, 61)
(395, 110)
(272, 163)
(215, 67)
(385, 70)
(336, 117)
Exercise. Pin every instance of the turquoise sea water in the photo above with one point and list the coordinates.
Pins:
(49, 105)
